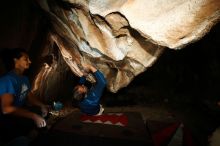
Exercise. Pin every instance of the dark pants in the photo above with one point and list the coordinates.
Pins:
(12, 126)
(19, 141)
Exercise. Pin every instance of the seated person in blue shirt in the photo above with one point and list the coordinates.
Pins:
(15, 95)
(89, 99)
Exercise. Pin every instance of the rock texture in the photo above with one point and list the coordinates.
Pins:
(124, 37)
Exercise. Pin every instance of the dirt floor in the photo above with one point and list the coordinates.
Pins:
(199, 119)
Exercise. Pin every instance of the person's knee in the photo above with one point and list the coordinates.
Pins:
(214, 140)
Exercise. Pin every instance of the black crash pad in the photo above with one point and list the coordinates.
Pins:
(72, 130)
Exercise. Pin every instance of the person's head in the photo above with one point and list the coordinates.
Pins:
(21, 59)
(79, 92)
(15, 57)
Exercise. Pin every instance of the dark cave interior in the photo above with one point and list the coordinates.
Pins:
(190, 75)
(190, 72)
(179, 78)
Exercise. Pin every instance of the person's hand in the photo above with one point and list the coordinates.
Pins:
(44, 110)
(83, 69)
(39, 121)
(88, 68)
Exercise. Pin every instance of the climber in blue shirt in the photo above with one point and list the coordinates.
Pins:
(89, 99)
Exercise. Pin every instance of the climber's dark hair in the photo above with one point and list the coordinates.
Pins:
(9, 54)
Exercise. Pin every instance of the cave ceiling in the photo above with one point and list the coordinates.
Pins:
(122, 38)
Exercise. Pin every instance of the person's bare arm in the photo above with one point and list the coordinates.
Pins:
(100, 79)
(8, 108)
(33, 100)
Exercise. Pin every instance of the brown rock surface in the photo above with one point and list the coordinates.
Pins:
(123, 38)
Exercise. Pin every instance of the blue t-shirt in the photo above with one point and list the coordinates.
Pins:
(90, 104)
(17, 85)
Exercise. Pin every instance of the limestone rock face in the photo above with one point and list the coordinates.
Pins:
(170, 23)
(123, 38)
